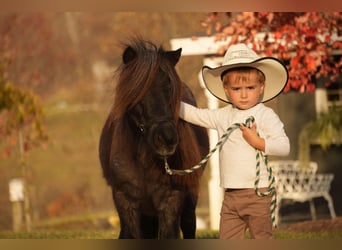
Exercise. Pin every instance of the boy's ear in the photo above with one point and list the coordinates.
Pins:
(262, 88)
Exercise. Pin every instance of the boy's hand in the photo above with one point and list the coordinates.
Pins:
(251, 136)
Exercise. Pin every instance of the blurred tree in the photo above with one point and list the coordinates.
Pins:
(303, 41)
(21, 117)
(38, 50)
(21, 125)
(20, 111)
(20, 108)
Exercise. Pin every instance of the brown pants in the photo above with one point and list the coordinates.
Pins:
(242, 209)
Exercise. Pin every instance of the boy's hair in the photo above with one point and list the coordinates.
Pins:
(243, 73)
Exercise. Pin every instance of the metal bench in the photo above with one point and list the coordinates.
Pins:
(300, 184)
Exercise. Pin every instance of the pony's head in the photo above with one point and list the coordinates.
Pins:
(148, 95)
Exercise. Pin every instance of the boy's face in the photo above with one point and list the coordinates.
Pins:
(244, 89)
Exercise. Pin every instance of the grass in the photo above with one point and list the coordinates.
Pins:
(105, 225)
(60, 234)
(112, 234)
(325, 235)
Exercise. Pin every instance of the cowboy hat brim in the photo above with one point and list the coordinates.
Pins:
(276, 76)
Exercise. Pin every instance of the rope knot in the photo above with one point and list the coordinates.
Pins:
(249, 121)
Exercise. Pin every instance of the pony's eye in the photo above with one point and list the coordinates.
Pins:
(142, 128)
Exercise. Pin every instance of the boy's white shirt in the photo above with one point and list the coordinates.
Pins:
(237, 157)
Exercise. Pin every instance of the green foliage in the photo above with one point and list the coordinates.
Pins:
(22, 107)
(20, 110)
(327, 127)
(325, 131)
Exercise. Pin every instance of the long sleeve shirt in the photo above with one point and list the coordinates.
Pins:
(237, 158)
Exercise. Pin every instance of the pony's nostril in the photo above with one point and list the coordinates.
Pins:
(159, 139)
(166, 139)
(165, 134)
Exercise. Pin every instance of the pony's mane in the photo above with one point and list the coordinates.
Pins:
(136, 77)
(134, 80)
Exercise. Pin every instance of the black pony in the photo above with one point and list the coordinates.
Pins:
(142, 129)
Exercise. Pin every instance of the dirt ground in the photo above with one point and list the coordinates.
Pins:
(315, 225)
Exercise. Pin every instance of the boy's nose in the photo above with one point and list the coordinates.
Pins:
(243, 93)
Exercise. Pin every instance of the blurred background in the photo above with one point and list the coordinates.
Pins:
(61, 66)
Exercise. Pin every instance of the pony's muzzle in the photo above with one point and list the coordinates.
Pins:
(165, 138)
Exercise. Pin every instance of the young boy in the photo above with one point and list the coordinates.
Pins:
(244, 81)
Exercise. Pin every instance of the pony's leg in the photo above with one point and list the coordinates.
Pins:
(188, 217)
(169, 215)
(124, 232)
(129, 216)
(149, 227)
(129, 223)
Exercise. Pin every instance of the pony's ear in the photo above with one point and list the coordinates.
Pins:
(174, 55)
(128, 55)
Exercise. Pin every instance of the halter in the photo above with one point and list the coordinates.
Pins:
(259, 155)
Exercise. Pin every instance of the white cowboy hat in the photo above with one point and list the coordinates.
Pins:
(239, 55)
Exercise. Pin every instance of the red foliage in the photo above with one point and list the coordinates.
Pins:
(303, 41)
